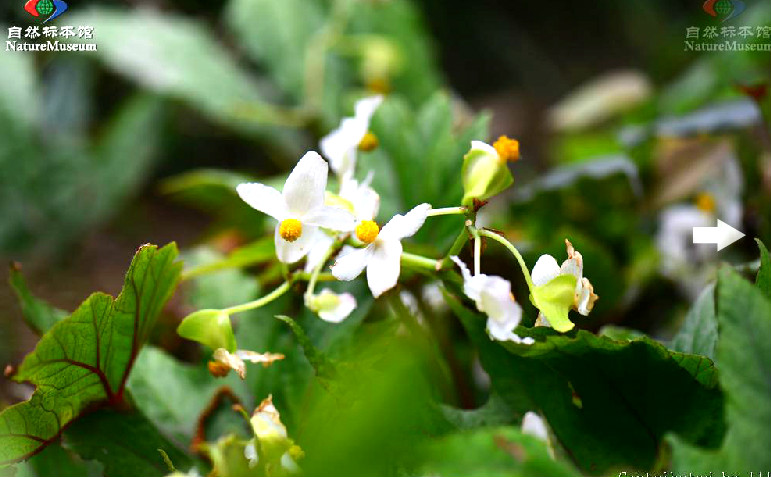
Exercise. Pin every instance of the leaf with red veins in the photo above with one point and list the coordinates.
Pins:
(84, 360)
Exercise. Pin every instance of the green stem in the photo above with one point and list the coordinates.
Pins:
(317, 270)
(261, 301)
(419, 261)
(500, 239)
(447, 211)
(456, 247)
(477, 250)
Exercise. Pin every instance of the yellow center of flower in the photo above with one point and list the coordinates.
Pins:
(367, 231)
(705, 202)
(508, 149)
(368, 143)
(290, 229)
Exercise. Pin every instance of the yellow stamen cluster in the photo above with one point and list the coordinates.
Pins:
(507, 149)
(367, 231)
(290, 229)
(705, 202)
(368, 143)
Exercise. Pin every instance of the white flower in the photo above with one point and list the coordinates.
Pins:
(339, 146)
(382, 257)
(364, 201)
(235, 361)
(332, 307)
(546, 269)
(493, 297)
(533, 424)
(299, 208)
(266, 421)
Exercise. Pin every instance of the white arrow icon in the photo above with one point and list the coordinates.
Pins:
(723, 235)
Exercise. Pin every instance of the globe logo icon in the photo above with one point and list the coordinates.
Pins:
(45, 7)
(724, 10)
(724, 7)
(48, 9)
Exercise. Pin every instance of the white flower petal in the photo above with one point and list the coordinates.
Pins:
(250, 452)
(345, 306)
(496, 300)
(265, 359)
(365, 200)
(533, 424)
(339, 146)
(318, 250)
(263, 198)
(473, 288)
(365, 109)
(304, 188)
(351, 262)
(332, 218)
(221, 355)
(290, 252)
(484, 147)
(545, 270)
(586, 297)
(401, 226)
(384, 266)
(464, 271)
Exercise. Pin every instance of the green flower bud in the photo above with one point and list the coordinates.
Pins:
(209, 327)
(484, 172)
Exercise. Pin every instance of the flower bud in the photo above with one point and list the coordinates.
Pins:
(209, 327)
(484, 173)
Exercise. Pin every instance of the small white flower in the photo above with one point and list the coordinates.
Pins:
(340, 146)
(235, 361)
(363, 198)
(533, 425)
(546, 269)
(299, 208)
(382, 257)
(319, 249)
(493, 297)
(332, 307)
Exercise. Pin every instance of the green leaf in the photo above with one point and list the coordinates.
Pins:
(85, 359)
(38, 314)
(608, 403)
(255, 253)
(744, 353)
(184, 62)
(555, 299)
(274, 34)
(209, 327)
(698, 334)
(126, 443)
(56, 461)
(499, 451)
(173, 394)
(763, 280)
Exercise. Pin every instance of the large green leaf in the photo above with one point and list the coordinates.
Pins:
(763, 280)
(126, 443)
(602, 398)
(498, 451)
(55, 461)
(698, 334)
(85, 359)
(179, 58)
(744, 353)
(173, 394)
(277, 33)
